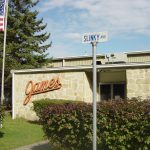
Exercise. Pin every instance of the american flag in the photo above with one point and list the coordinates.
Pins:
(2, 14)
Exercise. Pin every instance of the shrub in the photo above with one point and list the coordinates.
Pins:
(125, 124)
(120, 125)
(43, 103)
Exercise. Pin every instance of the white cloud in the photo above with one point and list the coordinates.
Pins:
(73, 36)
(58, 50)
(116, 16)
(69, 19)
(51, 4)
(62, 50)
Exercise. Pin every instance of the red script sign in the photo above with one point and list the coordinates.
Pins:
(41, 87)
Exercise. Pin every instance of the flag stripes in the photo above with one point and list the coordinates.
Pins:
(2, 14)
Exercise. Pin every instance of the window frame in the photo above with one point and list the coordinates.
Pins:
(111, 90)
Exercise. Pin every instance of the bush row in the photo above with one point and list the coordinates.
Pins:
(120, 125)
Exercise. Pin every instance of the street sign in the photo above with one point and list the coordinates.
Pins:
(94, 37)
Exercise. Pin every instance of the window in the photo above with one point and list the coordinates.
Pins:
(112, 91)
(118, 91)
(105, 91)
(98, 62)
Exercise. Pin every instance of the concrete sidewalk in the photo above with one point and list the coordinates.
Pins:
(43, 145)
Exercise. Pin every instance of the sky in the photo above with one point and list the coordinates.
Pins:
(127, 23)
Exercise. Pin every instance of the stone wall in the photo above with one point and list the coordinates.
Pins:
(138, 83)
(75, 86)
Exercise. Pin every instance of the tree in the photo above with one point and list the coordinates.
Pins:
(25, 46)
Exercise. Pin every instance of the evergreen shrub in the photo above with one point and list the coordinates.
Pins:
(120, 125)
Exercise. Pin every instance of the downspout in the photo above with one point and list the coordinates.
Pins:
(13, 100)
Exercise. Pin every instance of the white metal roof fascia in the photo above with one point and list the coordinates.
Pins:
(90, 56)
(75, 57)
(125, 65)
(80, 68)
(52, 69)
(137, 52)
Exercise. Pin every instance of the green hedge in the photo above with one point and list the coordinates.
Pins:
(39, 105)
(120, 125)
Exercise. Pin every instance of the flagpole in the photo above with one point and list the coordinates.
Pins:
(4, 51)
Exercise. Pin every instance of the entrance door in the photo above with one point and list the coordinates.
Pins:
(112, 91)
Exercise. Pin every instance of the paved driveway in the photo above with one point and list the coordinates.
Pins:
(36, 146)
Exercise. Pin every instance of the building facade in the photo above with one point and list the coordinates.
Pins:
(119, 76)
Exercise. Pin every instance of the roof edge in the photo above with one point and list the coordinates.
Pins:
(76, 57)
(137, 52)
(80, 68)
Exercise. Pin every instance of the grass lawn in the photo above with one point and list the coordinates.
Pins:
(19, 132)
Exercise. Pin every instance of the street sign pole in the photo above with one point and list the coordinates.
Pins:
(94, 38)
(94, 95)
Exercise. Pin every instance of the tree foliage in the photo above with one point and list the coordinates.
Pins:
(26, 37)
